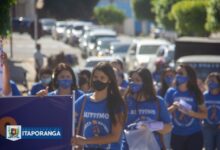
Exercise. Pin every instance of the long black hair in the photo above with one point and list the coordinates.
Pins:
(115, 102)
(148, 90)
(164, 85)
(192, 83)
(60, 67)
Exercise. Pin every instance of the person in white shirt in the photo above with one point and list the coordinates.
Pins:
(39, 61)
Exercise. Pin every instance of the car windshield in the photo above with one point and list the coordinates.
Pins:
(78, 27)
(203, 69)
(121, 49)
(148, 49)
(105, 45)
(92, 63)
(48, 22)
(95, 38)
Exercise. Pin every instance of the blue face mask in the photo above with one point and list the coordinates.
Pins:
(180, 79)
(168, 80)
(213, 85)
(135, 87)
(46, 81)
(65, 83)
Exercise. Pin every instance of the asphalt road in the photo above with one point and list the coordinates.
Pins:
(23, 51)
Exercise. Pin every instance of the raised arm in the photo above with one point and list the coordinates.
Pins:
(6, 75)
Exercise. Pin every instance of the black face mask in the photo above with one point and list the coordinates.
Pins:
(98, 85)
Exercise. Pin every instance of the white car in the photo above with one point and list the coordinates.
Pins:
(142, 51)
(92, 61)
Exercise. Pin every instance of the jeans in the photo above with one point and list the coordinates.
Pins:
(189, 142)
(211, 137)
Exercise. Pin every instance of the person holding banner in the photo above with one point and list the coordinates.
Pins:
(186, 103)
(211, 127)
(45, 81)
(146, 108)
(6, 86)
(64, 82)
(100, 116)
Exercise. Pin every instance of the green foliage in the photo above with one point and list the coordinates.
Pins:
(142, 9)
(66, 9)
(5, 6)
(109, 15)
(190, 17)
(213, 16)
(162, 8)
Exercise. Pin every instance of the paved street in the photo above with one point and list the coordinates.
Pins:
(23, 50)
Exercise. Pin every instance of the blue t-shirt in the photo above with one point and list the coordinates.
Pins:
(96, 121)
(156, 76)
(14, 89)
(169, 95)
(78, 93)
(183, 124)
(147, 111)
(36, 88)
(213, 106)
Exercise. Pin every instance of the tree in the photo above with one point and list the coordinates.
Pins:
(142, 9)
(5, 6)
(213, 16)
(162, 8)
(109, 15)
(65, 9)
(190, 17)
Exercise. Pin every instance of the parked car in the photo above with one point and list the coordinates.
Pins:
(21, 24)
(47, 25)
(119, 49)
(74, 31)
(58, 30)
(94, 35)
(142, 51)
(103, 45)
(92, 61)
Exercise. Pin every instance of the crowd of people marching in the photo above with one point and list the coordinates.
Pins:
(168, 103)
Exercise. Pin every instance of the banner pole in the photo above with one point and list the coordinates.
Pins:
(73, 117)
(1, 67)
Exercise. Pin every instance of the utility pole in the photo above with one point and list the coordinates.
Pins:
(38, 5)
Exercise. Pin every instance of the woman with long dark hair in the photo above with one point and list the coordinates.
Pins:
(145, 105)
(167, 78)
(64, 82)
(186, 103)
(167, 82)
(103, 112)
(211, 128)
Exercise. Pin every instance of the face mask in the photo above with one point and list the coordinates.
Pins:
(99, 85)
(65, 83)
(180, 79)
(212, 85)
(46, 81)
(135, 87)
(168, 80)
